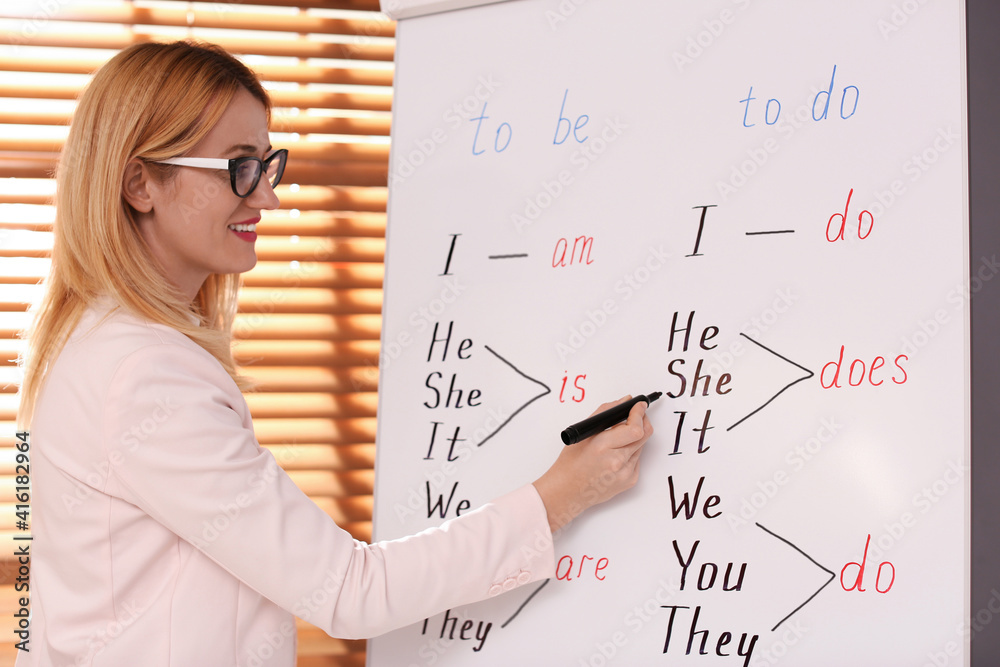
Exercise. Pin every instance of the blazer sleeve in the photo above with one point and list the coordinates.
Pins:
(181, 448)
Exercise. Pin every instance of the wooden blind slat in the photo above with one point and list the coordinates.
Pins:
(302, 405)
(314, 274)
(298, 457)
(26, 244)
(334, 379)
(373, 126)
(303, 173)
(316, 223)
(280, 122)
(338, 151)
(9, 351)
(11, 324)
(30, 144)
(27, 167)
(331, 483)
(310, 300)
(301, 456)
(16, 297)
(300, 47)
(308, 326)
(353, 660)
(315, 642)
(343, 510)
(348, 509)
(316, 99)
(32, 117)
(323, 431)
(334, 198)
(337, 250)
(230, 19)
(267, 274)
(24, 198)
(305, 353)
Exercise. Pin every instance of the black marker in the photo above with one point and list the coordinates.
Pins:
(603, 420)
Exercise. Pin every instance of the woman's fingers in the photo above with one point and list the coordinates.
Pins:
(596, 469)
(638, 422)
(634, 431)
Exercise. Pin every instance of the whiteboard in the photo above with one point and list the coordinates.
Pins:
(781, 185)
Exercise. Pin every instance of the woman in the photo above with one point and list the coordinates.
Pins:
(142, 445)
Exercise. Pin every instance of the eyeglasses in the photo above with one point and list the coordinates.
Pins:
(244, 172)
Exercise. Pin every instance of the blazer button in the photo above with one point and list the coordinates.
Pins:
(524, 578)
(495, 590)
(510, 584)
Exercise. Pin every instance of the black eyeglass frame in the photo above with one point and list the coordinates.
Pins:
(233, 165)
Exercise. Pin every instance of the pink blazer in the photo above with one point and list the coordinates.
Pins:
(164, 535)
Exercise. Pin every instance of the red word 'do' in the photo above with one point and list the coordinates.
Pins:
(835, 233)
(890, 573)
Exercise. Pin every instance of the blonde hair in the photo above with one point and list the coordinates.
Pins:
(152, 102)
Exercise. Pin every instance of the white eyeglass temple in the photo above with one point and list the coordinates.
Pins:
(203, 162)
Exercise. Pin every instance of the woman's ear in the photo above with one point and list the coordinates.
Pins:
(135, 186)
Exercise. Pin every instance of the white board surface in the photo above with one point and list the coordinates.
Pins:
(570, 182)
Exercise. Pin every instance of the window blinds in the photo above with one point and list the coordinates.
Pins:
(309, 323)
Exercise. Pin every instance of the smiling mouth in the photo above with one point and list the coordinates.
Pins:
(244, 227)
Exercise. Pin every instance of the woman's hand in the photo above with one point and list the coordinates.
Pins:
(596, 469)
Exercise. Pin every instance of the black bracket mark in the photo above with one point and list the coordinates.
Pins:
(532, 400)
(782, 390)
(523, 604)
(811, 560)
